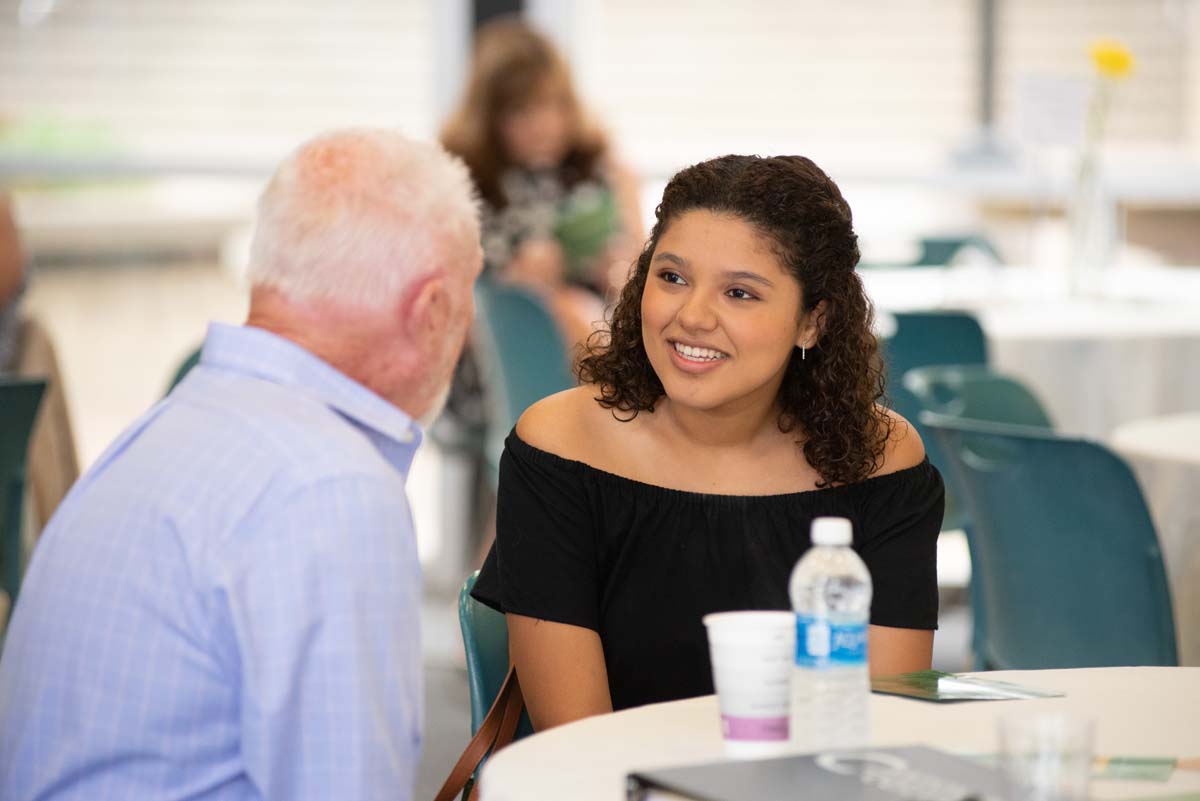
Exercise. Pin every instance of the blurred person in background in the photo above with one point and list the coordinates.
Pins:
(227, 604)
(737, 399)
(12, 284)
(27, 351)
(560, 213)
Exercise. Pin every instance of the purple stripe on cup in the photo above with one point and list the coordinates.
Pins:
(771, 729)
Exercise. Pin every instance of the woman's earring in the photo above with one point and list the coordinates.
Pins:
(801, 353)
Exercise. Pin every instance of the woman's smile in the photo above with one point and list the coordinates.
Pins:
(696, 359)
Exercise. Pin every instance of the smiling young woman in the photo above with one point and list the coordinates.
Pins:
(734, 398)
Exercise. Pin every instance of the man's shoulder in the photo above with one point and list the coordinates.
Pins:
(267, 421)
(216, 453)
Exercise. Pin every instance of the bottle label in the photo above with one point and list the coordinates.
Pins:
(821, 644)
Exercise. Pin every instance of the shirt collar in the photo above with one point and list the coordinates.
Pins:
(260, 353)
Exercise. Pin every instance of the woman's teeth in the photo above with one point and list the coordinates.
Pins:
(698, 354)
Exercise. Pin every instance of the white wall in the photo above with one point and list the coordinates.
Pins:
(219, 76)
(883, 80)
(878, 84)
(1190, 22)
(682, 80)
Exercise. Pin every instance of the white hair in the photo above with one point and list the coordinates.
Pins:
(354, 216)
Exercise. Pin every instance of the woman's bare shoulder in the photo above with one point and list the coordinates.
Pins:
(570, 424)
(904, 448)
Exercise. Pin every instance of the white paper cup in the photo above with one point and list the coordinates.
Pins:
(752, 655)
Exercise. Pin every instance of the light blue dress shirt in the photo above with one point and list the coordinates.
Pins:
(226, 605)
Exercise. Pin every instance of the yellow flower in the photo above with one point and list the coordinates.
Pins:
(1112, 59)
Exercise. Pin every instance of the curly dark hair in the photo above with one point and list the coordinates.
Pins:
(830, 397)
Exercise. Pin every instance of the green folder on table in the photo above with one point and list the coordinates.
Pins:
(933, 685)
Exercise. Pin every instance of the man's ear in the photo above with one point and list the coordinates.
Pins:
(813, 326)
(425, 309)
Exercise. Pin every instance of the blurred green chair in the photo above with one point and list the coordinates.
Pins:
(1064, 552)
(20, 399)
(923, 339)
(184, 368)
(941, 251)
(485, 641)
(525, 357)
(975, 392)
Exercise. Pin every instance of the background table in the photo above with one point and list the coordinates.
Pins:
(1139, 712)
(1127, 351)
(1164, 452)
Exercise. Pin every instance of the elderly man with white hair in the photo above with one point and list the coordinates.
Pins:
(226, 605)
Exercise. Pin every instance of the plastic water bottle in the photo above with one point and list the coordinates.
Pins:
(831, 595)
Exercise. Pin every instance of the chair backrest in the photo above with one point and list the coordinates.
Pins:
(940, 251)
(485, 641)
(929, 338)
(975, 392)
(528, 358)
(19, 402)
(185, 367)
(924, 338)
(1063, 547)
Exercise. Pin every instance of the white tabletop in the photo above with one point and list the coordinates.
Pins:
(1172, 439)
(1164, 453)
(1124, 352)
(1138, 712)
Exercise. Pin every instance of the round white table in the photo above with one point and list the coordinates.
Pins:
(1127, 351)
(1138, 712)
(1164, 453)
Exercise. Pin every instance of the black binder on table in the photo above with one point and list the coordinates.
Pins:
(867, 774)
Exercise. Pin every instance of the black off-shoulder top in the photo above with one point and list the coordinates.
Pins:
(642, 564)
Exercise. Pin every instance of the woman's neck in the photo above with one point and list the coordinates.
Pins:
(742, 424)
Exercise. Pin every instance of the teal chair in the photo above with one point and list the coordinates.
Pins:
(975, 392)
(485, 641)
(19, 402)
(1063, 548)
(922, 339)
(184, 368)
(527, 358)
(941, 251)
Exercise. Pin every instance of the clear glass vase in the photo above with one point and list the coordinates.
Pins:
(1090, 217)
